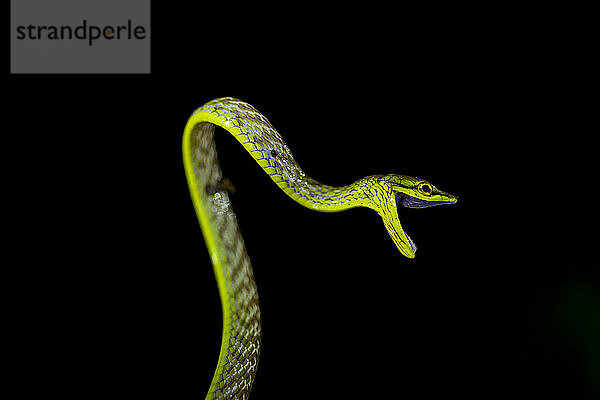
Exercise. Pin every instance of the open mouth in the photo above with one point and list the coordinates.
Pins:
(412, 202)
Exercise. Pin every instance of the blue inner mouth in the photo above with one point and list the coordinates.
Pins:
(412, 202)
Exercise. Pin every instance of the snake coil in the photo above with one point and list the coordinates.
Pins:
(240, 345)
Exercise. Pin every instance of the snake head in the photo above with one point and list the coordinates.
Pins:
(409, 192)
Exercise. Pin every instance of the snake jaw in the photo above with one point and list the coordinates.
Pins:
(403, 242)
(391, 220)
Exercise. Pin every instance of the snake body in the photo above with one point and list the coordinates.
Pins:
(240, 346)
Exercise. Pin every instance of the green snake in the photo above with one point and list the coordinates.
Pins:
(240, 345)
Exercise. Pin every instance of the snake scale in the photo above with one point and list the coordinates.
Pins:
(240, 346)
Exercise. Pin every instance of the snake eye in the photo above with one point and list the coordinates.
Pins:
(425, 188)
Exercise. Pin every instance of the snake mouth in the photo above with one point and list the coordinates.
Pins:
(403, 241)
(413, 202)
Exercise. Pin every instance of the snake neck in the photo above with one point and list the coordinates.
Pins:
(320, 197)
(262, 141)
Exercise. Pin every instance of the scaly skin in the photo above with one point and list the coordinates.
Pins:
(240, 346)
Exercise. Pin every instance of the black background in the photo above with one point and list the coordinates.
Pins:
(112, 291)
